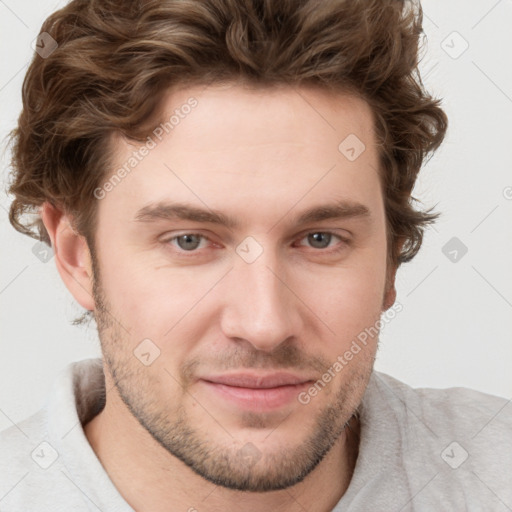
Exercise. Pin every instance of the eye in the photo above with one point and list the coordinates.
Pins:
(187, 242)
(192, 242)
(322, 239)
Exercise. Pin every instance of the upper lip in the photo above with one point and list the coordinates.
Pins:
(258, 380)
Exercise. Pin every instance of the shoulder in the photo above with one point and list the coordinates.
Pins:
(19, 437)
(433, 449)
(461, 406)
(24, 458)
(36, 454)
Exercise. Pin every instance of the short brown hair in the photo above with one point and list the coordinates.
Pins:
(115, 59)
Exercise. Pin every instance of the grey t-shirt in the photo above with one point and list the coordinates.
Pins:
(420, 450)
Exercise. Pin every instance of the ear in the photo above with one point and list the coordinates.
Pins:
(71, 253)
(390, 291)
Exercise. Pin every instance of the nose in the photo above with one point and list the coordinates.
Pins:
(261, 306)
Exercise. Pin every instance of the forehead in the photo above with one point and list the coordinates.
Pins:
(259, 115)
(265, 144)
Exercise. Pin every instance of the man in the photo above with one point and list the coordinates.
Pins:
(226, 186)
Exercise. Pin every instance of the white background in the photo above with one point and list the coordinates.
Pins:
(455, 326)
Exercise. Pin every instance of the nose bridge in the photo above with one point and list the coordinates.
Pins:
(261, 309)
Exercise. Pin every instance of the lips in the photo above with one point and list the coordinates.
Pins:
(258, 381)
(256, 392)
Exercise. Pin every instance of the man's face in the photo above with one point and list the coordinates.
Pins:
(243, 319)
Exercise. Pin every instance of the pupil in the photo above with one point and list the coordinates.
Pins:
(316, 240)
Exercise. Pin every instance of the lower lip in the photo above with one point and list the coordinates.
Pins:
(261, 398)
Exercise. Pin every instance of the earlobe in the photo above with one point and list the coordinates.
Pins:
(72, 255)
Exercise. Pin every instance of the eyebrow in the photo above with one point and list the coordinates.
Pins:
(171, 211)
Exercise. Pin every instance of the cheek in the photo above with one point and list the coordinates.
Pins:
(149, 300)
(350, 299)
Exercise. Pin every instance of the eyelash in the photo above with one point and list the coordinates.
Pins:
(344, 242)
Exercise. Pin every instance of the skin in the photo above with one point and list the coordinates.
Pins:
(261, 156)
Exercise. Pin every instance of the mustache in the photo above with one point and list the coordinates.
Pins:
(243, 358)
